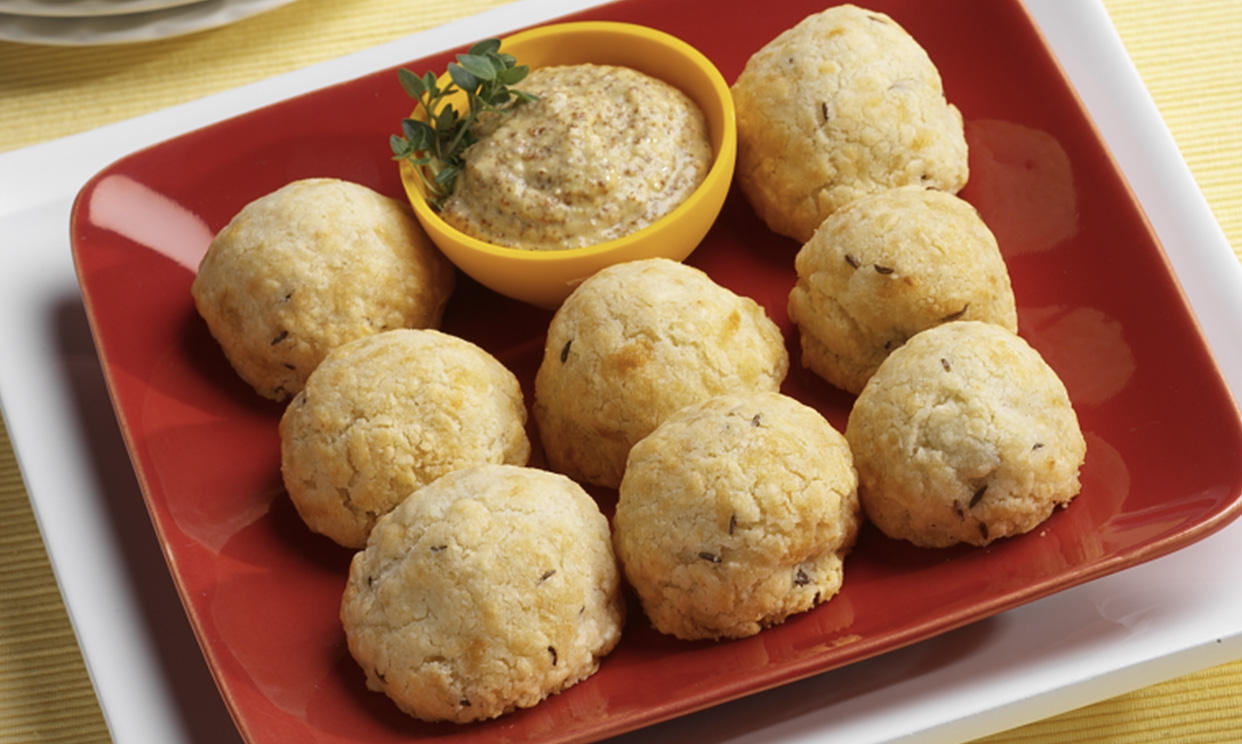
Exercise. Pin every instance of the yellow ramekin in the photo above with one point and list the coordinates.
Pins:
(545, 278)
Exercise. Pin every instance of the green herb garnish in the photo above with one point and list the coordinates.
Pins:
(436, 142)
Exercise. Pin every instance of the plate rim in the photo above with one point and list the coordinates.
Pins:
(86, 8)
(174, 18)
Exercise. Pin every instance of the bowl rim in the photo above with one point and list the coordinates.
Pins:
(723, 156)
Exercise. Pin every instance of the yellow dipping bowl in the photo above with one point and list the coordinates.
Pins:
(545, 278)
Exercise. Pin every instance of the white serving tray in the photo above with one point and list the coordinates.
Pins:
(1138, 627)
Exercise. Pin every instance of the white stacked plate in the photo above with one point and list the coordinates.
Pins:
(88, 22)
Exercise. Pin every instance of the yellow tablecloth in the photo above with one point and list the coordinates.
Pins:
(1189, 54)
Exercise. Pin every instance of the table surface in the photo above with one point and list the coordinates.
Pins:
(1190, 59)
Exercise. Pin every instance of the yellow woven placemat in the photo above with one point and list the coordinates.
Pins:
(1189, 54)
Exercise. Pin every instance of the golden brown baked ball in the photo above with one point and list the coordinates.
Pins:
(310, 266)
(842, 104)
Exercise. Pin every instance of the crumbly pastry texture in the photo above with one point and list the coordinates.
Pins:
(604, 152)
(964, 435)
(887, 266)
(386, 414)
(635, 343)
(736, 513)
(844, 103)
(310, 266)
(484, 592)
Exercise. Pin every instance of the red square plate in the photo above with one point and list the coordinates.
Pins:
(1095, 293)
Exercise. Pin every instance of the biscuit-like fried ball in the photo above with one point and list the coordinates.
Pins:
(484, 592)
(887, 266)
(736, 513)
(633, 344)
(964, 435)
(844, 103)
(310, 266)
(386, 414)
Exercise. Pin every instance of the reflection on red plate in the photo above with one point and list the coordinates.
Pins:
(1095, 295)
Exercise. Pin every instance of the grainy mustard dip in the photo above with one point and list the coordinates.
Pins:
(605, 151)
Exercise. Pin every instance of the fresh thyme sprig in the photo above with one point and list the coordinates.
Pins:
(434, 145)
